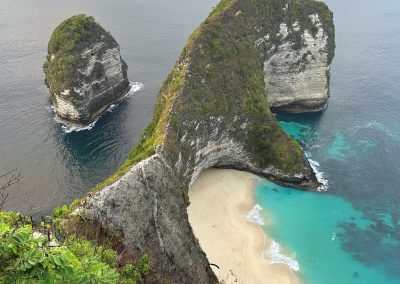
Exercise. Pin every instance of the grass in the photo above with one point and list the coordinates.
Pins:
(272, 14)
(226, 78)
(63, 50)
(154, 133)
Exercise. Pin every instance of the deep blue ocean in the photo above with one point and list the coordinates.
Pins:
(351, 233)
(348, 234)
(58, 167)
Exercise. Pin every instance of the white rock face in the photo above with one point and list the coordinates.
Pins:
(146, 206)
(92, 96)
(297, 78)
(98, 79)
(65, 108)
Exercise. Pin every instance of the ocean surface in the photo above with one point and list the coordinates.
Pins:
(348, 234)
(351, 232)
(58, 166)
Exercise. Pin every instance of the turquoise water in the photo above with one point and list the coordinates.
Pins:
(335, 237)
(316, 228)
(310, 225)
(350, 233)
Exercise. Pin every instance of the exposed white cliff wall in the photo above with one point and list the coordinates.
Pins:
(65, 108)
(147, 205)
(297, 73)
(86, 79)
(101, 79)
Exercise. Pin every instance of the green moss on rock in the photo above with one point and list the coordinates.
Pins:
(63, 53)
(84, 71)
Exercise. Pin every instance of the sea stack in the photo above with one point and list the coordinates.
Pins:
(84, 70)
(297, 48)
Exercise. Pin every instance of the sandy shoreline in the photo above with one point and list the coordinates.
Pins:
(220, 201)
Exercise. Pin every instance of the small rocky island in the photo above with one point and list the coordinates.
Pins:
(84, 70)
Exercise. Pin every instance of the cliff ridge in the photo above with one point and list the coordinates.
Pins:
(212, 111)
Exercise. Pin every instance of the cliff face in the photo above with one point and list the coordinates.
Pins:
(212, 111)
(297, 46)
(84, 70)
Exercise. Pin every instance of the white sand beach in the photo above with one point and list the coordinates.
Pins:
(219, 202)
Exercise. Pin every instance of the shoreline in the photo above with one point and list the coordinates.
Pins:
(220, 201)
(71, 126)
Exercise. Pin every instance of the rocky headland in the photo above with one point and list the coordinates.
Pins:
(84, 70)
(213, 111)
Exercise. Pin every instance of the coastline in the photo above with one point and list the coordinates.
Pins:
(70, 126)
(220, 201)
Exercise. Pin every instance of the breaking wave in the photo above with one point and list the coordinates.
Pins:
(113, 106)
(135, 87)
(254, 215)
(67, 127)
(274, 256)
(318, 173)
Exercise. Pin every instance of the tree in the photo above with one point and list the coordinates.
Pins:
(11, 177)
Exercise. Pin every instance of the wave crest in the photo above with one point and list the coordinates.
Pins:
(70, 127)
(274, 256)
(254, 215)
(318, 173)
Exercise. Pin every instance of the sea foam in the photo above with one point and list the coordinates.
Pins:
(70, 127)
(274, 256)
(135, 87)
(113, 106)
(318, 173)
(254, 215)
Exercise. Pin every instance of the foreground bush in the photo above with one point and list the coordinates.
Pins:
(27, 256)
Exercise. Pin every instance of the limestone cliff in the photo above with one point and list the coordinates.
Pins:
(297, 45)
(212, 111)
(84, 70)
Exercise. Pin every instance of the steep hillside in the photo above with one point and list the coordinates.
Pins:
(212, 111)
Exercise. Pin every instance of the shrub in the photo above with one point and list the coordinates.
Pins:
(25, 257)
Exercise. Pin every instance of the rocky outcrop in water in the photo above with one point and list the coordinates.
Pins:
(212, 111)
(84, 70)
(297, 52)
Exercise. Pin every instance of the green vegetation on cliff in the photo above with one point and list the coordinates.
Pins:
(218, 77)
(275, 12)
(226, 77)
(63, 49)
(28, 256)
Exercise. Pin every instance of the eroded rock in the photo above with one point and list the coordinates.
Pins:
(212, 111)
(297, 54)
(84, 70)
